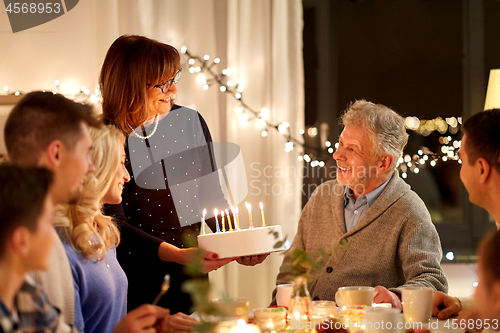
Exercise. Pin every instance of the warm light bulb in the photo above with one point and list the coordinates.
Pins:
(238, 110)
(243, 118)
(301, 131)
(229, 83)
(94, 99)
(330, 150)
(205, 87)
(191, 61)
(56, 83)
(328, 143)
(261, 122)
(191, 70)
(237, 95)
(216, 60)
(300, 158)
(201, 78)
(312, 131)
(206, 57)
(264, 133)
(222, 88)
(184, 49)
(6, 88)
(265, 113)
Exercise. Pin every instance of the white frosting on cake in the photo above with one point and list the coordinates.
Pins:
(243, 242)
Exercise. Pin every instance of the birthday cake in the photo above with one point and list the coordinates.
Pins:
(242, 242)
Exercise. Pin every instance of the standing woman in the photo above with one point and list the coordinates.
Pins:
(138, 85)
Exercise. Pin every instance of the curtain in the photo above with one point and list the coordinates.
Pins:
(259, 40)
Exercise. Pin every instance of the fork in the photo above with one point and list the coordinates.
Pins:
(164, 288)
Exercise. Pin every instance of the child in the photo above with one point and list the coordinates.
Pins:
(26, 239)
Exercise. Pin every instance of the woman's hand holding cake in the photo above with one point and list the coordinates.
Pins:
(252, 260)
(183, 256)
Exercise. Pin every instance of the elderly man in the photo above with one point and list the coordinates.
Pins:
(480, 174)
(392, 242)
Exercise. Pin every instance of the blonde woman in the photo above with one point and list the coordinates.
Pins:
(90, 239)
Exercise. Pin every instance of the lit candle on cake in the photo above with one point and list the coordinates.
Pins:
(203, 222)
(229, 220)
(216, 212)
(262, 213)
(237, 219)
(249, 207)
(222, 218)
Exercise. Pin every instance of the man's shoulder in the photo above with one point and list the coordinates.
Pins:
(408, 202)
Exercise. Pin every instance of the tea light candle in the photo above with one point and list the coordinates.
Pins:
(229, 220)
(222, 218)
(262, 214)
(203, 222)
(249, 207)
(216, 212)
(242, 327)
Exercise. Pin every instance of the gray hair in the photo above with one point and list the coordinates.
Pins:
(385, 127)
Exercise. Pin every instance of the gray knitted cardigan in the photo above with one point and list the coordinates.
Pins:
(394, 244)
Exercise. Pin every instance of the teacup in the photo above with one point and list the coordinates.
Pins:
(417, 304)
(284, 294)
(354, 296)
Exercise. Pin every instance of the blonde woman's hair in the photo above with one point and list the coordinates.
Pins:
(85, 227)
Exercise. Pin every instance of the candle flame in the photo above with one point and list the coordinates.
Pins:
(227, 212)
(204, 213)
(232, 209)
(236, 209)
(222, 213)
(241, 324)
(261, 206)
(249, 207)
(216, 212)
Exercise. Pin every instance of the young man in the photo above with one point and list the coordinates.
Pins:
(48, 130)
(26, 239)
(480, 174)
(392, 242)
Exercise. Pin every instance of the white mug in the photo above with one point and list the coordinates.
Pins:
(354, 296)
(284, 294)
(383, 320)
(417, 304)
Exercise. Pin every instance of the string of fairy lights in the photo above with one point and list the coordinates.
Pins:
(207, 76)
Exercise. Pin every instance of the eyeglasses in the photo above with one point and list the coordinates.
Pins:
(166, 86)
